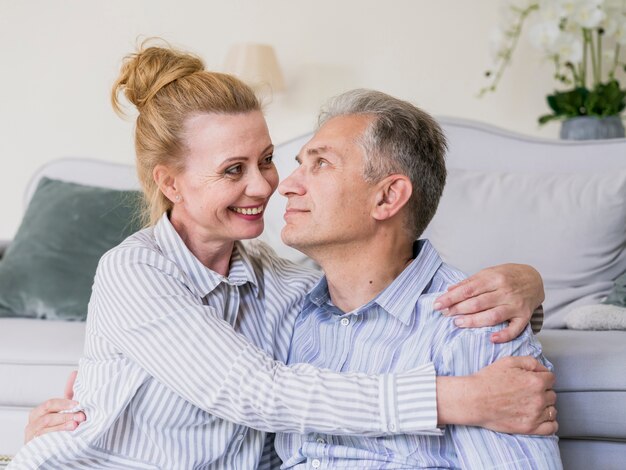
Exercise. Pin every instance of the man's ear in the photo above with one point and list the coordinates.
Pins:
(392, 194)
(166, 181)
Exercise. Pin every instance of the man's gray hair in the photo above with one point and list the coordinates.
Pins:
(401, 139)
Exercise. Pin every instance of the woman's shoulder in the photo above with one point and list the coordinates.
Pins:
(139, 251)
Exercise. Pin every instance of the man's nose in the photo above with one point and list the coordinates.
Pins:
(293, 184)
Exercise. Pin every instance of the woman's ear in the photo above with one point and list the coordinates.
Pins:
(392, 194)
(166, 181)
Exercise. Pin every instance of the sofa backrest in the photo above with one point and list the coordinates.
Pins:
(556, 205)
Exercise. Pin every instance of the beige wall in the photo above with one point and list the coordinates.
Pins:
(59, 58)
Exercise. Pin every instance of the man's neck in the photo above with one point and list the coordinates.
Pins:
(356, 275)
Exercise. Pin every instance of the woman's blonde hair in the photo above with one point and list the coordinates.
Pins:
(168, 86)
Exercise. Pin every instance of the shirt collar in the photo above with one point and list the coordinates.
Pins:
(400, 297)
(202, 279)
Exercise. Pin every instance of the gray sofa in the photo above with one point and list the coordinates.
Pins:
(36, 356)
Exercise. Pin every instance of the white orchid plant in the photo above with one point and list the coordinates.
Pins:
(586, 41)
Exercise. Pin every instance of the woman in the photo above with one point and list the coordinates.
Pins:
(165, 381)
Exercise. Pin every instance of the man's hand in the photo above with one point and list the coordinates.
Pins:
(513, 395)
(46, 417)
(494, 295)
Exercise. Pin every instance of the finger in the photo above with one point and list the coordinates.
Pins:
(550, 413)
(57, 419)
(54, 405)
(69, 386)
(491, 317)
(67, 426)
(515, 328)
(461, 293)
(528, 363)
(547, 428)
(478, 303)
(53, 422)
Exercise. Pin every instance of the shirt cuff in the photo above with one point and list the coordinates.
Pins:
(409, 402)
(536, 320)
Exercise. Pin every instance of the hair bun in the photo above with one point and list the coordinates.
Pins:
(150, 69)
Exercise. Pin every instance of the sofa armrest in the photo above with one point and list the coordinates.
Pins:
(3, 246)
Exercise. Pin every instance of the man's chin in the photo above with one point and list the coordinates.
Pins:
(293, 240)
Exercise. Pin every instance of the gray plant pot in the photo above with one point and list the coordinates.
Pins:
(590, 128)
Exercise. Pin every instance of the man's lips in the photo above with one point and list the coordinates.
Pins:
(291, 211)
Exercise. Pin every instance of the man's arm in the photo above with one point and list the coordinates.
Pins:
(477, 447)
(508, 292)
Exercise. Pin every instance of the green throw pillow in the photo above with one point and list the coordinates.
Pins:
(618, 294)
(48, 269)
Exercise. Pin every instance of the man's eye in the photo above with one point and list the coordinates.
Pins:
(321, 163)
(233, 170)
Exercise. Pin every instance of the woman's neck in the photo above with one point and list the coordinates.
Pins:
(214, 254)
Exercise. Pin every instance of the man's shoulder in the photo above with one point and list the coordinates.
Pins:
(448, 275)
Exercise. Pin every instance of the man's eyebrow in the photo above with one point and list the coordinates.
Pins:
(318, 150)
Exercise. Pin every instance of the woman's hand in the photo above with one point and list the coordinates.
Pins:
(494, 295)
(47, 417)
(513, 395)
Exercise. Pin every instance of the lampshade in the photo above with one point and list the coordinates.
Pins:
(256, 65)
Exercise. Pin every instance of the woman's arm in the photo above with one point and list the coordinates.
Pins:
(141, 306)
(508, 292)
(473, 400)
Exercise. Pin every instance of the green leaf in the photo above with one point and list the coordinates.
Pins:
(547, 118)
(606, 99)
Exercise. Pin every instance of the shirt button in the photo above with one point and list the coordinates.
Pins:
(392, 427)
(345, 321)
(240, 437)
(321, 441)
(316, 463)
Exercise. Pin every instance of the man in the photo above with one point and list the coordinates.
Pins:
(368, 184)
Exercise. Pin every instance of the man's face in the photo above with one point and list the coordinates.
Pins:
(329, 201)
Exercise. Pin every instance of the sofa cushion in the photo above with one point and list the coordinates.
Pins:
(591, 381)
(36, 357)
(48, 269)
(571, 227)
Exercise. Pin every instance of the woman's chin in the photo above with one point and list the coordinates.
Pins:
(251, 231)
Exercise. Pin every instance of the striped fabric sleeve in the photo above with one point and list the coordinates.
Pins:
(536, 320)
(142, 306)
(477, 447)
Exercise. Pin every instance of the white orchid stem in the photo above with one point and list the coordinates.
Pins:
(514, 35)
(615, 62)
(599, 55)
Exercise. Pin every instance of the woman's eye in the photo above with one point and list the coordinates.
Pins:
(233, 170)
(268, 160)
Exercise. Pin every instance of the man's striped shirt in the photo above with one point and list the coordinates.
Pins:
(395, 332)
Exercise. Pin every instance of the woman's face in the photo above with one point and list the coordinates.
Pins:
(227, 180)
